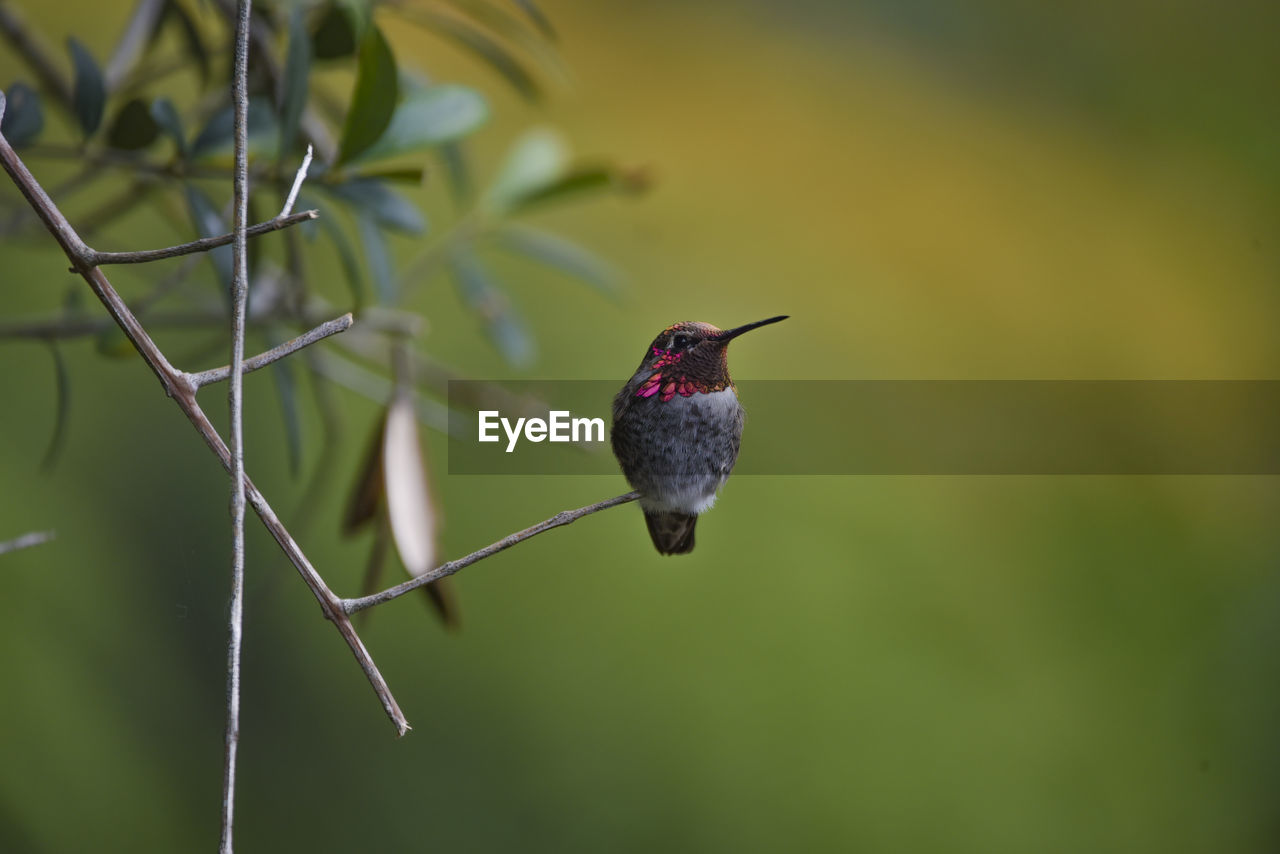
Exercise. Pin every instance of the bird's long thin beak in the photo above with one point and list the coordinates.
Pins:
(729, 334)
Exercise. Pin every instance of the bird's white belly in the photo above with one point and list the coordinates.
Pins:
(711, 419)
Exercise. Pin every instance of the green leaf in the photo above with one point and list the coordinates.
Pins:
(458, 170)
(208, 223)
(133, 128)
(23, 117)
(335, 35)
(372, 197)
(297, 68)
(584, 180)
(467, 36)
(514, 341)
(360, 13)
(347, 258)
(378, 259)
(374, 100)
(88, 92)
(504, 25)
(485, 298)
(175, 11)
(218, 136)
(413, 175)
(535, 15)
(564, 255)
(366, 498)
(428, 117)
(63, 411)
(537, 159)
(167, 119)
(287, 387)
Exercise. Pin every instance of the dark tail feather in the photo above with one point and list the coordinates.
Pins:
(672, 533)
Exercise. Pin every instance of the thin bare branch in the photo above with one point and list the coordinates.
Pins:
(235, 401)
(80, 327)
(562, 518)
(297, 183)
(204, 244)
(26, 541)
(324, 330)
(177, 386)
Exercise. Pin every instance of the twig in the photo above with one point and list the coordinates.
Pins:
(204, 244)
(324, 330)
(562, 518)
(80, 327)
(297, 183)
(177, 386)
(26, 541)
(235, 400)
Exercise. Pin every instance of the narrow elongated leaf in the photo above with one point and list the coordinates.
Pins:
(372, 197)
(378, 259)
(297, 69)
(367, 492)
(287, 388)
(139, 35)
(63, 412)
(579, 181)
(334, 36)
(133, 128)
(88, 92)
(369, 502)
(218, 136)
(23, 116)
(476, 41)
(360, 13)
(176, 11)
(537, 159)
(346, 257)
(428, 117)
(373, 567)
(208, 223)
(413, 175)
(440, 596)
(374, 99)
(404, 471)
(458, 169)
(486, 299)
(562, 254)
(539, 20)
(167, 119)
(510, 26)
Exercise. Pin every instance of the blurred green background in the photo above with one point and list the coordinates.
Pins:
(986, 664)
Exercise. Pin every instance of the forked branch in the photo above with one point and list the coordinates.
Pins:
(178, 385)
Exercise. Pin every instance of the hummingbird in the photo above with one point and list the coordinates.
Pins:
(677, 426)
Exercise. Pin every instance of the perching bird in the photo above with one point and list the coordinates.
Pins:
(677, 426)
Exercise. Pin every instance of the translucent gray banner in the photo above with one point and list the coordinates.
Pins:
(902, 427)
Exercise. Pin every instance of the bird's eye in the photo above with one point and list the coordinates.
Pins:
(679, 342)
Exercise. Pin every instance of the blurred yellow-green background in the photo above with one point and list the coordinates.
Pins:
(987, 190)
